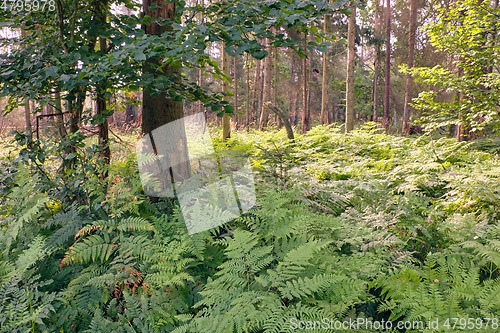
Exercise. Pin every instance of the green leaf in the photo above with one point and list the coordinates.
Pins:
(52, 71)
(64, 78)
(139, 56)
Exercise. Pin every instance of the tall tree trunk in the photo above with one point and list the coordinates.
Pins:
(261, 95)
(200, 84)
(351, 51)
(411, 55)
(463, 125)
(76, 102)
(235, 80)
(103, 136)
(226, 119)
(324, 82)
(27, 110)
(256, 83)
(200, 71)
(27, 117)
(493, 36)
(376, 64)
(161, 109)
(266, 97)
(292, 85)
(60, 116)
(275, 84)
(387, 92)
(305, 118)
(247, 65)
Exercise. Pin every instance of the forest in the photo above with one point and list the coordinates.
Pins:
(249, 166)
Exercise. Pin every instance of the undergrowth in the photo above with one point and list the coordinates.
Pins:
(345, 226)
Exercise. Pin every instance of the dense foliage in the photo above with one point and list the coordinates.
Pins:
(363, 225)
(467, 33)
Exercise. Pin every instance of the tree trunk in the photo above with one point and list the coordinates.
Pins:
(324, 83)
(200, 84)
(463, 125)
(103, 136)
(387, 92)
(305, 118)
(266, 97)
(76, 100)
(275, 84)
(226, 119)
(235, 82)
(60, 116)
(411, 55)
(161, 109)
(256, 83)
(376, 64)
(247, 65)
(351, 51)
(27, 118)
(292, 85)
(200, 71)
(493, 36)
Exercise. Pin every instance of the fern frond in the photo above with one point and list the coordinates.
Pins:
(91, 248)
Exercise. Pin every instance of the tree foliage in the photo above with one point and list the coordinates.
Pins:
(467, 32)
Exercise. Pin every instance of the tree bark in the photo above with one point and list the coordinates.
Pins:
(411, 55)
(305, 115)
(159, 108)
(235, 82)
(351, 51)
(247, 65)
(275, 83)
(324, 82)
(103, 130)
(27, 118)
(387, 92)
(463, 125)
(256, 83)
(60, 116)
(292, 84)
(226, 119)
(266, 97)
(376, 64)
(200, 84)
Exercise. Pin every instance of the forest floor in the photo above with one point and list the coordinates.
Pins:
(347, 227)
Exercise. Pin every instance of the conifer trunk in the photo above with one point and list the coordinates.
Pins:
(411, 55)
(235, 82)
(324, 82)
(376, 64)
(305, 115)
(226, 119)
(256, 83)
(351, 51)
(247, 65)
(387, 92)
(266, 97)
